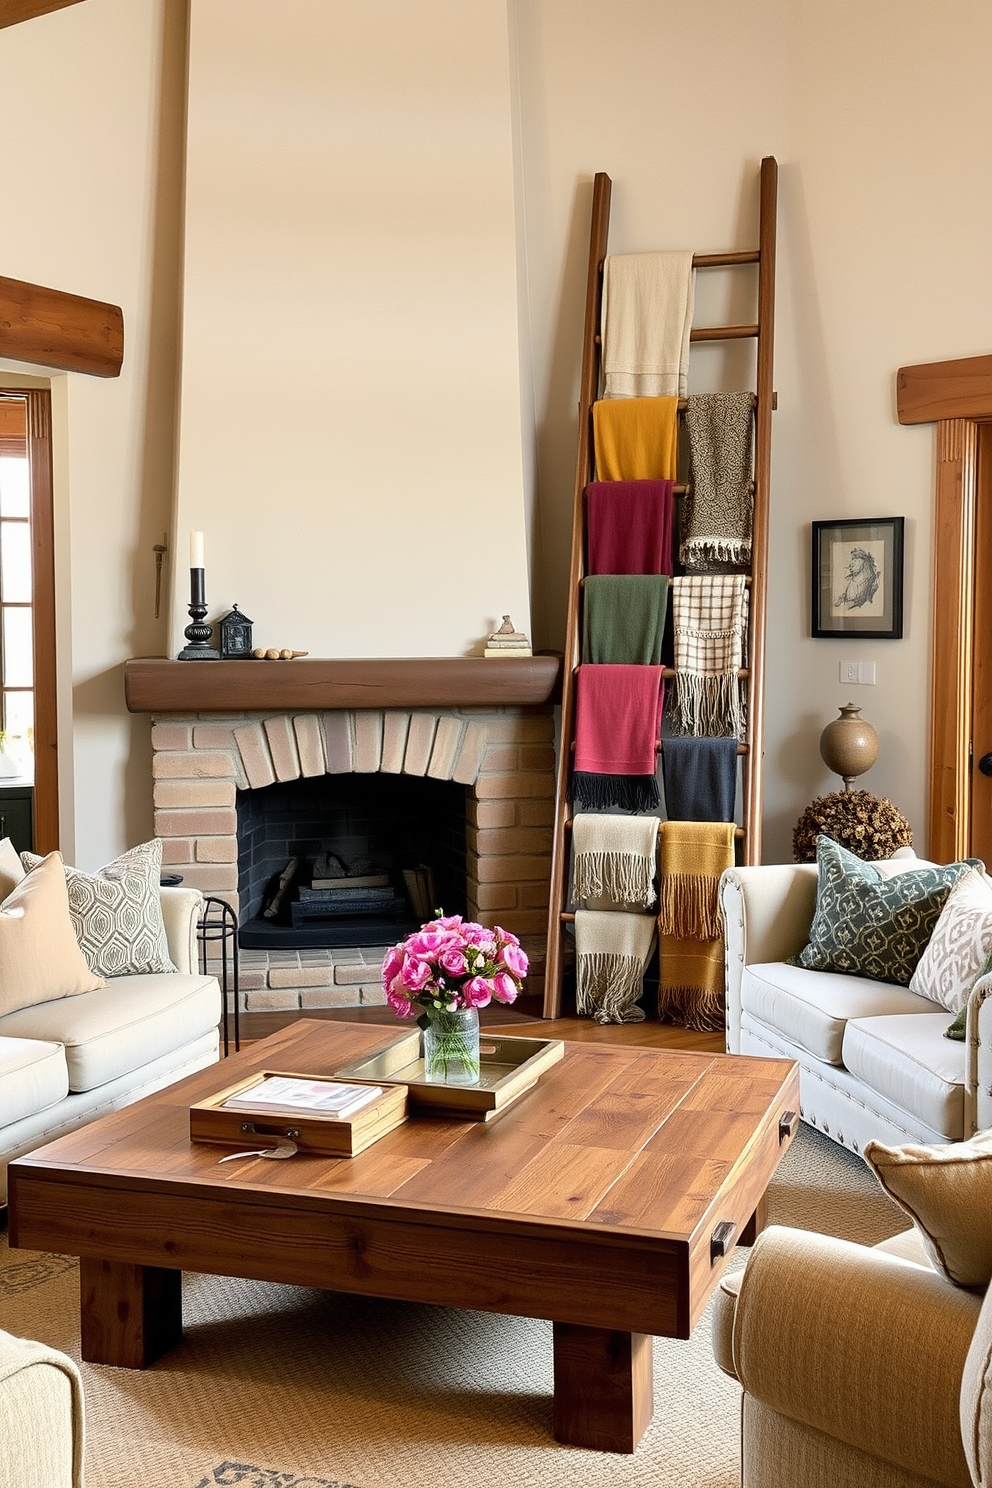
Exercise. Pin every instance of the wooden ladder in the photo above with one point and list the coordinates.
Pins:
(763, 331)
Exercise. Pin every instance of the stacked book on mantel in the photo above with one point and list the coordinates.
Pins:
(508, 642)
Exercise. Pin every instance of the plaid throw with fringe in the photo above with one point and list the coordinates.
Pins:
(709, 615)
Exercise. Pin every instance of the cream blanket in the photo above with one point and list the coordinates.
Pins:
(611, 952)
(615, 858)
(646, 319)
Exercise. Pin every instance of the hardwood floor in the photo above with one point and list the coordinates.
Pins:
(649, 1034)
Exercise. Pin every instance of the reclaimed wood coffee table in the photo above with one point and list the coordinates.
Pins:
(606, 1200)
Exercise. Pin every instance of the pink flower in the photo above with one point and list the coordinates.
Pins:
(401, 1006)
(476, 935)
(449, 922)
(428, 941)
(477, 992)
(505, 988)
(392, 964)
(453, 961)
(415, 974)
(505, 936)
(515, 960)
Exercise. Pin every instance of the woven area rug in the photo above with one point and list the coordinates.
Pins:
(283, 1387)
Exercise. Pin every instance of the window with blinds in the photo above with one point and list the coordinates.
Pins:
(16, 586)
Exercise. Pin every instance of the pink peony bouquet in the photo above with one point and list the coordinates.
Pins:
(450, 964)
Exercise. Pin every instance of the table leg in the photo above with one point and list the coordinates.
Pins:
(129, 1315)
(604, 1387)
(756, 1223)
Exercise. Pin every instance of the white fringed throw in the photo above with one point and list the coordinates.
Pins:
(646, 319)
(709, 616)
(615, 858)
(611, 952)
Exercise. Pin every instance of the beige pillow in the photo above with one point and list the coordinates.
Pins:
(11, 871)
(39, 957)
(959, 946)
(947, 1193)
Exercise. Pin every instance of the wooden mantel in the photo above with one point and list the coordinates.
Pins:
(155, 685)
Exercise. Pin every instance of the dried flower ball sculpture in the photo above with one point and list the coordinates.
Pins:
(868, 826)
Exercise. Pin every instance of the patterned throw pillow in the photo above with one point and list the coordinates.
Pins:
(117, 913)
(866, 925)
(960, 945)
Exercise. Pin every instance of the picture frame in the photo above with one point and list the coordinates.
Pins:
(857, 579)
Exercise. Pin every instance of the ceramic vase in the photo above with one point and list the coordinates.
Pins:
(849, 745)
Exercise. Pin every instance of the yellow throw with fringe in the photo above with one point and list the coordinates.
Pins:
(691, 981)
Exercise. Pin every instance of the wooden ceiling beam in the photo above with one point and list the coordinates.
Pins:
(933, 391)
(50, 328)
(12, 12)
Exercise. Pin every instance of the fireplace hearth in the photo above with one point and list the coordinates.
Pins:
(497, 759)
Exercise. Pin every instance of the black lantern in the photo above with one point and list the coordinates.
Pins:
(235, 636)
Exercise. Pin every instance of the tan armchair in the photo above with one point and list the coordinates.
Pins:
(861, 1368)
(41, 1416)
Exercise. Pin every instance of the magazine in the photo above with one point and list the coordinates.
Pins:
(290, 1096)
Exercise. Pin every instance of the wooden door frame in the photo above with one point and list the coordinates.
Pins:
(38, 403)
(957, 397)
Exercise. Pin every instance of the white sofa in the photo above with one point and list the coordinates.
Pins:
(872, 1056)
(64, 1062)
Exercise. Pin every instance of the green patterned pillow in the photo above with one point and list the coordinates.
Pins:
(870, 926)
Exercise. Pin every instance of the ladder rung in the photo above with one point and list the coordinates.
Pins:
(669, 672)
(659, 747)
(723, 333)
(679, 491)
(725, 260)
(569, 821)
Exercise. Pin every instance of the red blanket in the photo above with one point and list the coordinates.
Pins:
(617, 722)
(629, 527)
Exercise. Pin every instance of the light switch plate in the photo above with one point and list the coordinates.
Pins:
(855, 672)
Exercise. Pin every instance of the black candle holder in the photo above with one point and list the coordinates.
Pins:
(197, 634)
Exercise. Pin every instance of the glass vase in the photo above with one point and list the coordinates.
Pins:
(451, 1047)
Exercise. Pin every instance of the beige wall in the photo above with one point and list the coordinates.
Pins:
(877, 116)
(351, 420)
(90, 111)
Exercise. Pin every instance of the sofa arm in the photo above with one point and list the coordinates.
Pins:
(766, 913)
(978, 1058)
(857, 1344)
(181, 909)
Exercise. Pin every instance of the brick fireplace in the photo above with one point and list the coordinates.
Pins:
(502, 754)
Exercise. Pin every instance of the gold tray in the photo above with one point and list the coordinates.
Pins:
(508, 1068)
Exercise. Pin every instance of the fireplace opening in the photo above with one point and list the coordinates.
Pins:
(348, 860)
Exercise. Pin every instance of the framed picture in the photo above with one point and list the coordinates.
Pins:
(857, 579)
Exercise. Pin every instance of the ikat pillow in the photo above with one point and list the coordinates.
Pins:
(117, 913)
(870, 926)
(960, 945)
